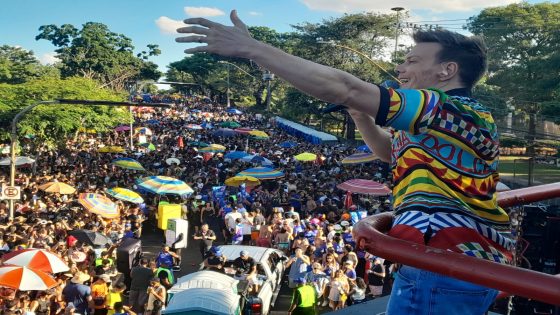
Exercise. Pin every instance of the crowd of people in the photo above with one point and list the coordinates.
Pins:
(302, 214)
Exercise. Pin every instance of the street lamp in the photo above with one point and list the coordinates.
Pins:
(268, 77)
(241, 69)
(398, 10)
(14, 136)
(333, 43)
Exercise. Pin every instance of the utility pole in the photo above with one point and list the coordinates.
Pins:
(227, 92)
(398, 10)
(268, 77)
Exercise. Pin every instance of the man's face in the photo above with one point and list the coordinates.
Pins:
(421, 67)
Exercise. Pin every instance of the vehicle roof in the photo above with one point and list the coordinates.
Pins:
(213, 301)
(257, 253)
(205, 279)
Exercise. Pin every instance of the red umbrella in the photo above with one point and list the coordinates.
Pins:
(365, 186)
(37, 259)
(25, 279)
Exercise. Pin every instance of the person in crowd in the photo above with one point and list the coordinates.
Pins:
(357, 292)
(215, 260)
(339, 289)
(298, 263)
(157, 295)
(78, 294)
(376, 277)
(206, 238)
(141, 276)
(304, 299)
(249, 267)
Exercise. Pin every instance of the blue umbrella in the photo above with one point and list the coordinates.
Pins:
(206, 125)
(234, 111)
(196, 110)
(234, 155)
(257, 159)
(262, 173)
(288, 144)
(363, 148)
(152, 122)
(224, 132)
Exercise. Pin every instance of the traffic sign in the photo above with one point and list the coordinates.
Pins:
(10, 192)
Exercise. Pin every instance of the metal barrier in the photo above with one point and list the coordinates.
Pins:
(516, 281)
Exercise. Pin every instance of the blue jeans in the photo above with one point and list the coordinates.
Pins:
(419, 292)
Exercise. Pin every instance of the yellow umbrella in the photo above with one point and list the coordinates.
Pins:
(58, 187)
(306, 157)
(213, 148)
(249, 181)
(259, 134)
(111, 149)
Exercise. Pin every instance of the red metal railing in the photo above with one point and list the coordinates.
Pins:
(516, 281)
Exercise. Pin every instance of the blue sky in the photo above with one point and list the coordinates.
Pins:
(151, 22)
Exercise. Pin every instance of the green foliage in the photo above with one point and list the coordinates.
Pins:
(53, 123)
(97, 53)
(18, 65)
(508, 142)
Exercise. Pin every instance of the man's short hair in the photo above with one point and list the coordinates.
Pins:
(468, 52)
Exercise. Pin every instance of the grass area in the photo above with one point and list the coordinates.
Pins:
(515, 165)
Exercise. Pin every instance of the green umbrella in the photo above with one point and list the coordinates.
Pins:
(149, 145)
(230, 124)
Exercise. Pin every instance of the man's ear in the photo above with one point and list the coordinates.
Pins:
(449, 70)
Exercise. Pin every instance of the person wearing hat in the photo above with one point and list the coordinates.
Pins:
(216, 260)
(304, 299)
(79, 294)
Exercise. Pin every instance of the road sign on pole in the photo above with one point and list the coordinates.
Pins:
(10, 192)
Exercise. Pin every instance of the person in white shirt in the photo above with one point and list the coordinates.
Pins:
(230, 220)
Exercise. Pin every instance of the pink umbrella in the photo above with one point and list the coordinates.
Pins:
(365, 186)
(122, 128)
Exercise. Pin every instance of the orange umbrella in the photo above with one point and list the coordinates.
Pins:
(37, 259)
(25, 279)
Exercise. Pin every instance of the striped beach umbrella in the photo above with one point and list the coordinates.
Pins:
(259, 134)
(243, 131)
(234, 155)
(128, 163)
(365, 186)
(37, 259)
(249, 181)
(230, 124)
(25, 279)
(358, 158)
(125, 194)
(164, 185)
(213, 148)
(99, 204)
(262, 173)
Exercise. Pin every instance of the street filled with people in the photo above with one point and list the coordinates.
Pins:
(239, 179)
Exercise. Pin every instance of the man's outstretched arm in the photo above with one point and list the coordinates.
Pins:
(325, 83)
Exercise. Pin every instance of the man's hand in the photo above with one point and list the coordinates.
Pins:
(220, 39)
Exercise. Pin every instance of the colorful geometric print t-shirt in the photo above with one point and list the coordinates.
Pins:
(444, 165)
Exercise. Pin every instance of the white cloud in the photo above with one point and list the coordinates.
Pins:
(168, 26)
(203, 11)
(254, 13)
(348, 6)
(48, 58)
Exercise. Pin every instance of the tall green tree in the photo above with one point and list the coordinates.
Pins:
(18, 65)
(95, 52)
(524, 46)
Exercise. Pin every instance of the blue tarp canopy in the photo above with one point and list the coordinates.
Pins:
(301, 131)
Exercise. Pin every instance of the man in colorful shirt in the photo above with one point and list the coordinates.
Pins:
(444, 149)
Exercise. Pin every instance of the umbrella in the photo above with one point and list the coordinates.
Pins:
(249, 181)
(306, 157)
(213, 148)
(198, 144)
(243, 131)
(143, 131)
(99, 204)
(37, 259)
(58, 187)
(171, 161)
(164, 185)
(90, 237)
(259, 134)
(257, 159)
(194, 127)
(125, 194)
(230, 124)
(224, 132)
(358, 158)
(128, 163)
(148, 145)
(363, 148)
(25, 279)
(20, 160)
(234, 155)
(365, 186)
(194, 110)
(122, 128)
(111, 149)
(207, 125)
(234, 111)
(152, 122)
(262, 173)
(288, 144)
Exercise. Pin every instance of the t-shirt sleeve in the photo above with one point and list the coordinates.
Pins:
(409, 110)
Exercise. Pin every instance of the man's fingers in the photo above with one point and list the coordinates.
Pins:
(237, 21)
(201, 21)
(193, 30)
(191, 39)
(196, 50)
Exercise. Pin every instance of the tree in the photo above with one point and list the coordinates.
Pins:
(18, 65)
(95, 52)
(53, 124)
(524, 45)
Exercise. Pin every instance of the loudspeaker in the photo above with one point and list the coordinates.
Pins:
(129, 254)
